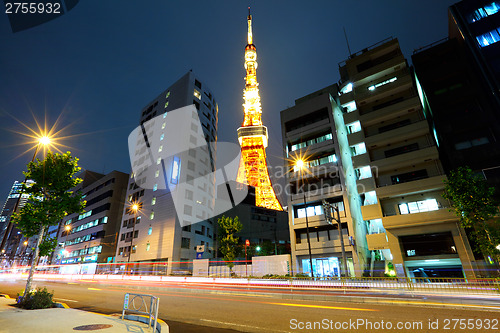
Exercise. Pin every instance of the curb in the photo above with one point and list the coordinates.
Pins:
(5, 296)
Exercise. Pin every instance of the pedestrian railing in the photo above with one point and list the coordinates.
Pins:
(142, 304)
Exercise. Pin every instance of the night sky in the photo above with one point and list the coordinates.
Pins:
(99, 64)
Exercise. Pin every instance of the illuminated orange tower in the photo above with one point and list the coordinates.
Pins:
(252, 134)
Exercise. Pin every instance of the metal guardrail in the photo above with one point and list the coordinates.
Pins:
(138, 303)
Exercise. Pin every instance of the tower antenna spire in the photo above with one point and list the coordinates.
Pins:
(250, 37)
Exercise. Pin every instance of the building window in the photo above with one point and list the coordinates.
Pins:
(189, 195)
(160, 149)
(190, 166)
(158, 161)
(471, 143)
(157, 173)
(188, 210)
(350, 107)
(155, 187)
(162, 137)
(369, 198)
(320, 161)
(185, 242)
(150, 230)
(354, 127)
(153, 201)
(166, 104)
(136, 233)
(488, 38)
(484, 11)
(168, 94)
(409, 176)
(197, 94)
(358, 149)
(163, 125)
(380, 84)
(418, 206)
(152, 215)
(148, 246)
(363, 172)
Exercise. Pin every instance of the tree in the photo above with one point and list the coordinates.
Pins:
(50, 199)
(475, 207)
(228, 242)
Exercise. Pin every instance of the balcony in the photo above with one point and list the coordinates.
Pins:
(332, 245)
(350, 117)
(366, 185)
(400, 161)
(391, 66)
(371, 212)
(419, 219)
(315, 221)
(413, 130)
(360, 160)
(355, 138)
(363, 95)
(389, 112)
(296, 134)
(412, 187)
(377, 241)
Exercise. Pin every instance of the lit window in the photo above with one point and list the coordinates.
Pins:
(161, 137)
(370, 198)
(158, 161)
(155, 187)
(160, 149)
(383, 83)
(347, 88)
(418, 206)
(153, 201)
(354, 127)
(148, 246)
(488, 38)
(364, 172)
(163, 126)
(150, 230)
(166, 104)
(164, 115)
(351, 106)
(197, 94)
(485, 11)
(157, 173)
(358, 149)
(168, 94)
(152, 215)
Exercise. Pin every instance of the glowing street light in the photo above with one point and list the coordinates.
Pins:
(44, 140)
(133, 209)
(299, 163)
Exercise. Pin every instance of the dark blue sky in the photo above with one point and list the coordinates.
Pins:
(103, 61)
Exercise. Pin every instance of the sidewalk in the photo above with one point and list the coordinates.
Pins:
(58, 320)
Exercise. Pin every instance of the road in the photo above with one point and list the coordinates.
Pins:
(228, 309)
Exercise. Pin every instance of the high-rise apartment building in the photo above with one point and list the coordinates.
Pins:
(11, 237)
(88, 239)
(174, 214)
(459, 87)
(309, 135)
(389, 171)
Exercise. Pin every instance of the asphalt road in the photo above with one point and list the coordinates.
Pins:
(229, 310)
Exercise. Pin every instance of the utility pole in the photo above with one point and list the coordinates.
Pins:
(327, 208)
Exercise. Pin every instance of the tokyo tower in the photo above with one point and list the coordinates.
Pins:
(252, 135)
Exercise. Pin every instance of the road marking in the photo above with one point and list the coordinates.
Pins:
(322, 307)
(236, 294)
(72, 283)
(234, 324)
(94, 289)
(66, 300)
(449, 304)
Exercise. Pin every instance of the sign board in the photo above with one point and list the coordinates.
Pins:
(247, 242)
(200, 248)
(199, 255)
(125, 301)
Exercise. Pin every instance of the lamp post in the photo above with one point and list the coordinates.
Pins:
(301, 165)
(42, 141)
(327, 208)
(133, 209)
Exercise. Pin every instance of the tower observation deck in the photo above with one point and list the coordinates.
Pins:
(252, 135)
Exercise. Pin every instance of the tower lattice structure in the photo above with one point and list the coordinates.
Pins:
(252, 135)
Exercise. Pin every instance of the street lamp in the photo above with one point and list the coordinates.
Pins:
(134, 208)
(301, 165)
(44, 141)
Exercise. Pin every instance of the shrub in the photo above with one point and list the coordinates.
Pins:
(302, 275)
(36, 299)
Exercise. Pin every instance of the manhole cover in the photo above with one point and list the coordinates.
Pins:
(93, 327)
